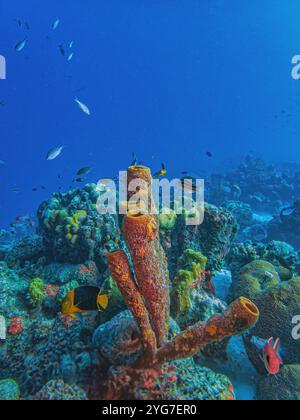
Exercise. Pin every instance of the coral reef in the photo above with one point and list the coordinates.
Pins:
(192, 271)
(72, 229)
(286, 227)
(278, 303)
(254, 278)
(57, 390)
(148, 301)
(9, 390)
(213, 238)
(285, 386)
(263, 186)
(36, 292)
(166, 330)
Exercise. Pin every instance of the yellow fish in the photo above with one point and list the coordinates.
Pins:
(162, 172)
(84, 299)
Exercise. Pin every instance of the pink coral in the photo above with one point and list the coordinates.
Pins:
(16, 326)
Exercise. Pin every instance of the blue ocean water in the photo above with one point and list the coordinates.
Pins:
(204, 86)
(167, 80)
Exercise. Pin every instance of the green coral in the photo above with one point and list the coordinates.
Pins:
(36, 292)
(192, 265)
(167, 219)
(9, 390)
(254, 278)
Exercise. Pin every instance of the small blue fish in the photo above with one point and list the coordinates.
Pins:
(71, 44)
(83, 107)
(55, 24)
(70, 56)
(54, 153)
(21, 45)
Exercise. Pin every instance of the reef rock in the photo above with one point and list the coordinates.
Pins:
(9, 390)
(57, 390)
(72, 229)
(284, 386)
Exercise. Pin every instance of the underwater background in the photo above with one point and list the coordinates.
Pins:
(205, 87)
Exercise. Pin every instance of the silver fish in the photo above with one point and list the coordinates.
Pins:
(70, 56)
(83, 107)
(54, 153)
(21, 45)
(55, 24)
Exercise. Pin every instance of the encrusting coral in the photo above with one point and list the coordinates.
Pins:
(192, 271)
(36, 292)
(146, 292)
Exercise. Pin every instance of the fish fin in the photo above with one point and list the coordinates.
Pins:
(277, 345)
(102, 302)
(271, 341)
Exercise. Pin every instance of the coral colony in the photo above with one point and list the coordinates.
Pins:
(177, 325)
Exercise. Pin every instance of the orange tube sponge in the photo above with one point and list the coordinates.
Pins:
(140, 173)
(121, 273)
(150, 266)
(239, 317)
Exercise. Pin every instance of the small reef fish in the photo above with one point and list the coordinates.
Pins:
(209, 154)
(135, 160)
(62, 50)
(21, 45)
(84, 299)
(54, 153)
(71, 45)
(83, 107)
(84, 171)
(256, 233)
(269, 275)
(70, 56)
(55, 24)
(286, 213)
(271, 357)
(189, 185)
(161, 173)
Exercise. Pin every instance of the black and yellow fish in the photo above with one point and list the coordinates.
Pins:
(161, 173)
(84, 299)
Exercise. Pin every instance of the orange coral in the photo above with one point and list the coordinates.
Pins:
(121, 273)
(16, 326)
(239, 317)
(147, 296)
(141, 236)
(142, 175)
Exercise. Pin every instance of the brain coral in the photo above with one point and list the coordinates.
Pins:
(278, 305)
(254, 278)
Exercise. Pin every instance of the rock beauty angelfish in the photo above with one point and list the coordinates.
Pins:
(84, 299)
